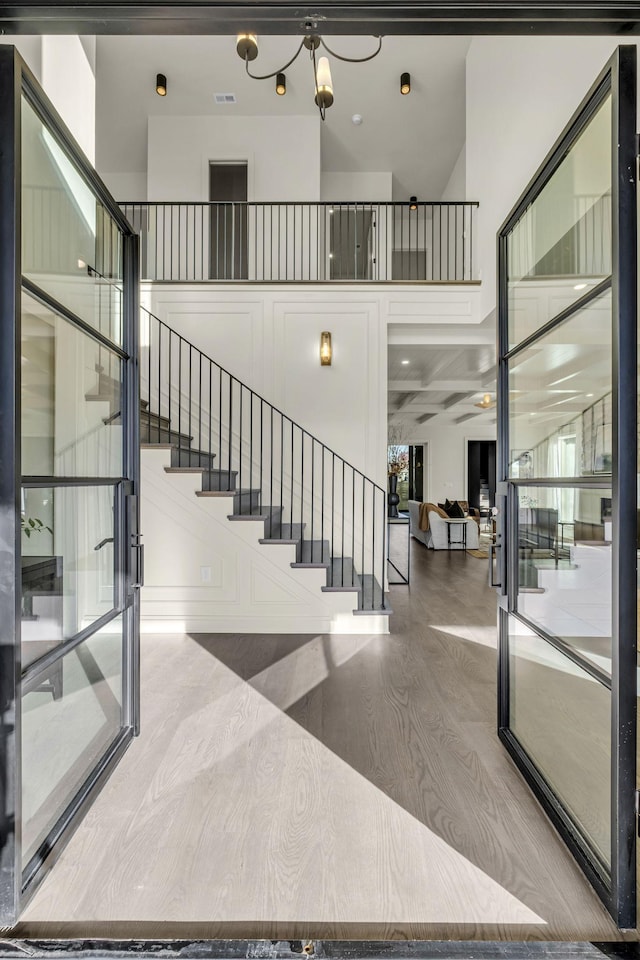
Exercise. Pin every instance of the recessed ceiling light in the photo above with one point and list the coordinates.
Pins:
(580, 286)
(404, 362)
(589, 395)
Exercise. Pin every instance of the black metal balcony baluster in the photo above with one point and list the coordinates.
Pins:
(294, 242)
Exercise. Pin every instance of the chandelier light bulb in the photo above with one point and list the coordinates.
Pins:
(324, 85)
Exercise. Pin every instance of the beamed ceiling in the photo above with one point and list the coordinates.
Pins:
(407, 17)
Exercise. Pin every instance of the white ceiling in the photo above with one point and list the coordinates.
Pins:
(441, 380)
(416, 137)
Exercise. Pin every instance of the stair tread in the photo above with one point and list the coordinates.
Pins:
(197, 452)
(242, 491)
(314, 553)
(184, 469)
(257, 513)
(282, 532)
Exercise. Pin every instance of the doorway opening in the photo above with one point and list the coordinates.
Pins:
(384, 782)
(229, 241)
(481, 476)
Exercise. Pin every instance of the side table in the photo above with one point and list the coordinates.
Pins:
(463, 540)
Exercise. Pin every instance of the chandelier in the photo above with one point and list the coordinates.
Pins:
(247, 49)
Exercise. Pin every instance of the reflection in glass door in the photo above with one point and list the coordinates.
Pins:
(69, 451)
(567, 491)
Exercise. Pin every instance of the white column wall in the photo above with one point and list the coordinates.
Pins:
(69, 81)
(356, 187)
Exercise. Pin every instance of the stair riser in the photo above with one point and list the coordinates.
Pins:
(246, 502)
(153, 435)
(219, 480)
(316, 551)
(272, 526)
(193, 458)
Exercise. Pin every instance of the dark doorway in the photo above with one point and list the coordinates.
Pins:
(351, 242)
(228, 221)
(481, 474)
(416, 473)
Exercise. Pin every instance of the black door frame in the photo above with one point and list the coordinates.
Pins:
(477, 17)
(618, 891)
(18, 884)
(409, 17)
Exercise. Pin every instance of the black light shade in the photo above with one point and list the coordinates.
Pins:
(405, 84)
(281, 84)
(161, 85)
(413, 203)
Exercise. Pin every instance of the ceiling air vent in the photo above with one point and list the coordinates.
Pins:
(225, 97)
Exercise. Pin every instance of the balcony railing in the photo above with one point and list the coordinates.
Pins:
(306, 242)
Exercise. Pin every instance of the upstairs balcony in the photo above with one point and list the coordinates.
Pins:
(424, 242)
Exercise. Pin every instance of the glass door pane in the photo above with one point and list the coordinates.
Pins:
(69, 437)
(567, 449)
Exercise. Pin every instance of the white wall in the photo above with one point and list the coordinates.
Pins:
(521, 92)
(131, 187)
(357, 187)
(65, 66)
(283, 155)
(69, 81)
(446, 474)
(456, 188)
(30, 48)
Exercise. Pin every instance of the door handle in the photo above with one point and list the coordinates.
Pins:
(137, 579)
(492, 557)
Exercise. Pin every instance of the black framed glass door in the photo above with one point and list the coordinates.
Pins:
(567, 396)
(69, 468)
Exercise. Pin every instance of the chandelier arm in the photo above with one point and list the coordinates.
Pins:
(268, 76)
(352, 59)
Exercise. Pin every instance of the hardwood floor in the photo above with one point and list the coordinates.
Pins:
(324, 787)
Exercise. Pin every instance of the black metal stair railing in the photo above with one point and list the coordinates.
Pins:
(295, 242)
(307, 494)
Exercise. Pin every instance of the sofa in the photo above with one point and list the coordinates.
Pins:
(436, 537)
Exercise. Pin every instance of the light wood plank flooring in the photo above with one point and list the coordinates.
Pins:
(324, 787)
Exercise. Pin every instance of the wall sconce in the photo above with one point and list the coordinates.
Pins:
(281, 84)
(325, 349)
(405, 84)
(161, 85)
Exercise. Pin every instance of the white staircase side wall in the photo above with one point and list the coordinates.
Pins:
(207, 574)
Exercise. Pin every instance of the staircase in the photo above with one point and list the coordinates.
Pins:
(231, 463)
